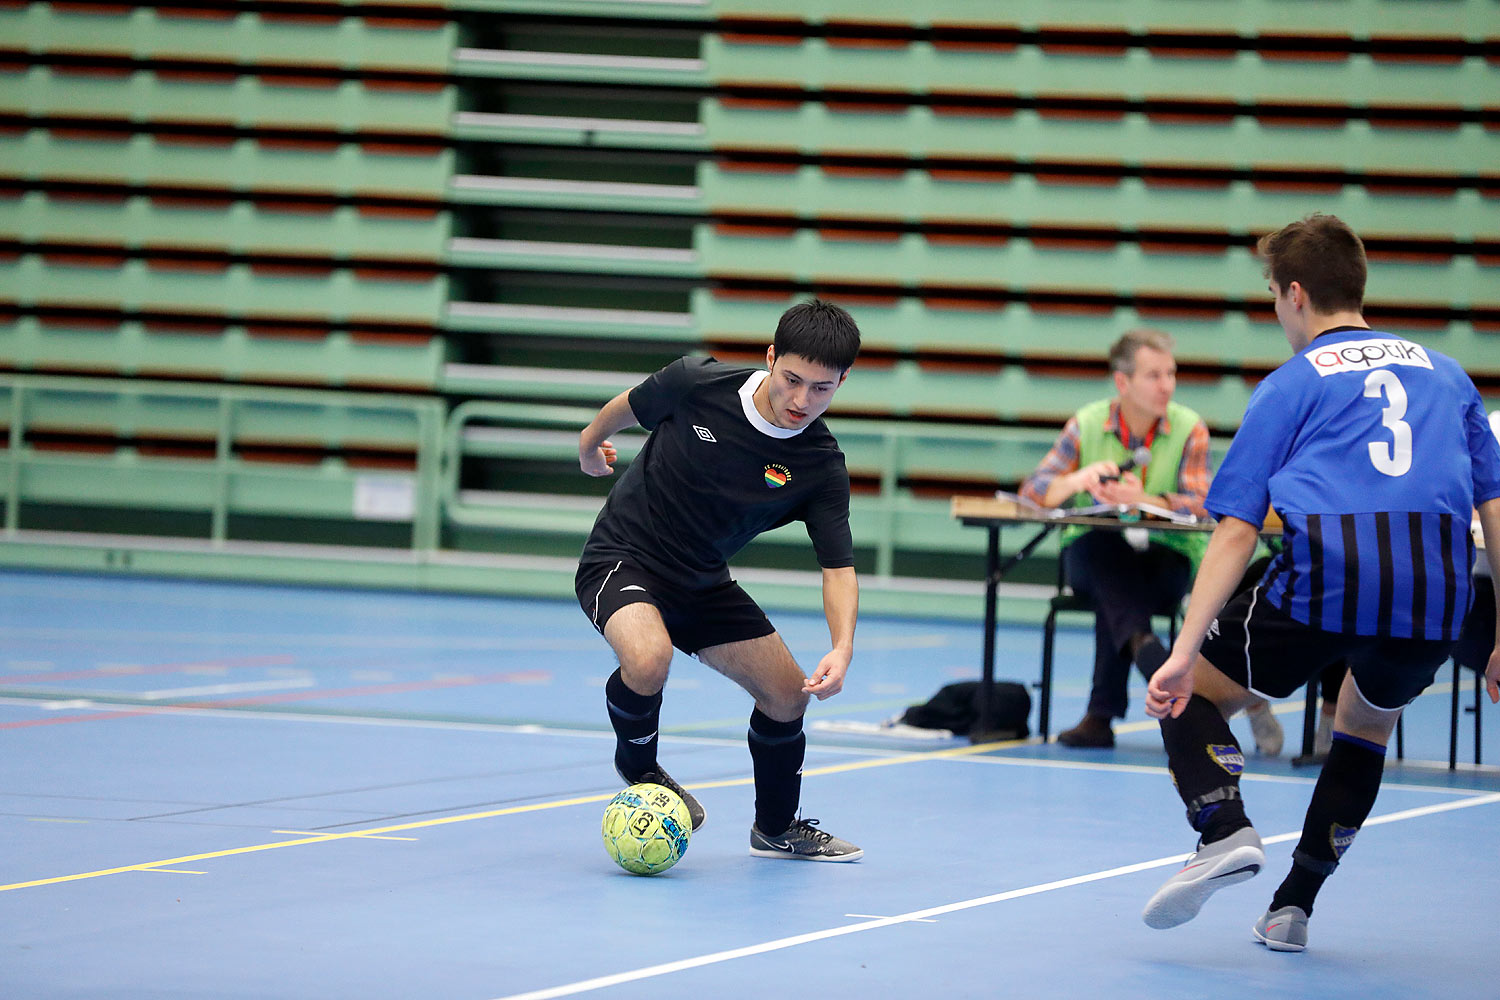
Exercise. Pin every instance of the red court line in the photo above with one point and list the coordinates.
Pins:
(57, 720)
(510, 677)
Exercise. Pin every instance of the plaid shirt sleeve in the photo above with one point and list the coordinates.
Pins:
(1062, 459)
(1192, 474)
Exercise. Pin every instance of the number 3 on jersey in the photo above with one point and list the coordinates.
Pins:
(1393, 458)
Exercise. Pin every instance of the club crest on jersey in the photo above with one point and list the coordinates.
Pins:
(1228, 757)
(1340, 837)
(777, 476)
(1362, 355)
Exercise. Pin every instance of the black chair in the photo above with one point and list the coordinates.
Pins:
(1453, 727)
(1067, 599)
(1472, 651)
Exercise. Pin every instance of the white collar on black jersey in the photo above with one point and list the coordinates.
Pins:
(760, 423)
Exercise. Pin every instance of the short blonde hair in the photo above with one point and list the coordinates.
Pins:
(1122, 353)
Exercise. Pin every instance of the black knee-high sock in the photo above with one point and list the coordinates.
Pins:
(1341, 801)
(635, 718)
(1149, 654)
(777, 750)
(1206, 763)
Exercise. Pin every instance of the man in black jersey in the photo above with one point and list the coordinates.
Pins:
(733, 452)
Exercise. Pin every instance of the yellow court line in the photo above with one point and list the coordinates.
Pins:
(324, 838)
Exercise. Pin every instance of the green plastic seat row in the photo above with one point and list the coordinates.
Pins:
(233, 291)
(247, 37)
(1472, 19)
(231, 164)
(577, 130)
(1239, 206)
(233, 354)
(1019, 330)
(335, 231)
(922, 67)
(238, 430)
(546, 192)
(1133, 138)
(243, 101)
(1027, 265)
(644, 9)
(580, 67)
(594, 258)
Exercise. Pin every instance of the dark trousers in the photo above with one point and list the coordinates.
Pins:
(1125, 586)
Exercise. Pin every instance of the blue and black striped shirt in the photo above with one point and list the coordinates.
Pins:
(1374, 451)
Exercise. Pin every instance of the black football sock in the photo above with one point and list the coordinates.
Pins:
(635, 718)
(777, 750)
(1149, 655)
(1206, 762)
(1341, 801)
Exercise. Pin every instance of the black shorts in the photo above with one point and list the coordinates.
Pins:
(1256, 645)
(695, 619)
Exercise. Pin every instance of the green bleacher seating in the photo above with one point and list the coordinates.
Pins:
(226, 163)
(1131, 137)
(1448, 206)
(219, 450)
(1036, 265)
(268, 100)
(305, 229)
(237, 290)
(233, 353)
(1472, 19)
(295, 37)
(1133, 72)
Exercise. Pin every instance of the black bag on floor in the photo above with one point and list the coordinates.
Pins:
(956, 707)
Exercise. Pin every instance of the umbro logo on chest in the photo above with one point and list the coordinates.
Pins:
(705, 434)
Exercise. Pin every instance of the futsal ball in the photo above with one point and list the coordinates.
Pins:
(646, 829)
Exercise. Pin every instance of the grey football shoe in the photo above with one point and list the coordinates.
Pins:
(803, 841)
(1283, 930)
(1226, 862)
(661, 777)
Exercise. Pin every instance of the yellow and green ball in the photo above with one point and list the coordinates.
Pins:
(646, 829)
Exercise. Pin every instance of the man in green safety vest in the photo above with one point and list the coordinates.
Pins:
(1138, 448)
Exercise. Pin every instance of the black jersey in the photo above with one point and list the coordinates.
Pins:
(714, 474)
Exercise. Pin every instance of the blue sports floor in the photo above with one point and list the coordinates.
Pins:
(215, 791)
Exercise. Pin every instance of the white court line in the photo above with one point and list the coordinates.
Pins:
(1273, 779)
(667, 968)
(204, 690)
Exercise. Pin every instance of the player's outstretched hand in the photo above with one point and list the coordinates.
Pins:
(828, 679)
(1492, 677)
(1170, 687)
(598, 461)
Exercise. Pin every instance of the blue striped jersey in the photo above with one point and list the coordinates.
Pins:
(1373, 450)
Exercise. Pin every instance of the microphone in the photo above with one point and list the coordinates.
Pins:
(1141, 456)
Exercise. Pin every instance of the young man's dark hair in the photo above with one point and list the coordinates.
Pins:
(1324, 256)
(819, 331)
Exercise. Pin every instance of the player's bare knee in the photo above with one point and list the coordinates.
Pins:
(644, 667)
(787, 707)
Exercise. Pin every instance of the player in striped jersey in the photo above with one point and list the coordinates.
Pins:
(1375, 452)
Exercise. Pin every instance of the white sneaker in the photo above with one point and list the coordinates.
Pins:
(1234, 859)
(1266, 728)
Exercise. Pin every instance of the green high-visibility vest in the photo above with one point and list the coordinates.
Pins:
(1097, 444)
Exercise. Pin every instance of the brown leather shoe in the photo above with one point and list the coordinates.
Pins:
(1091, 731)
